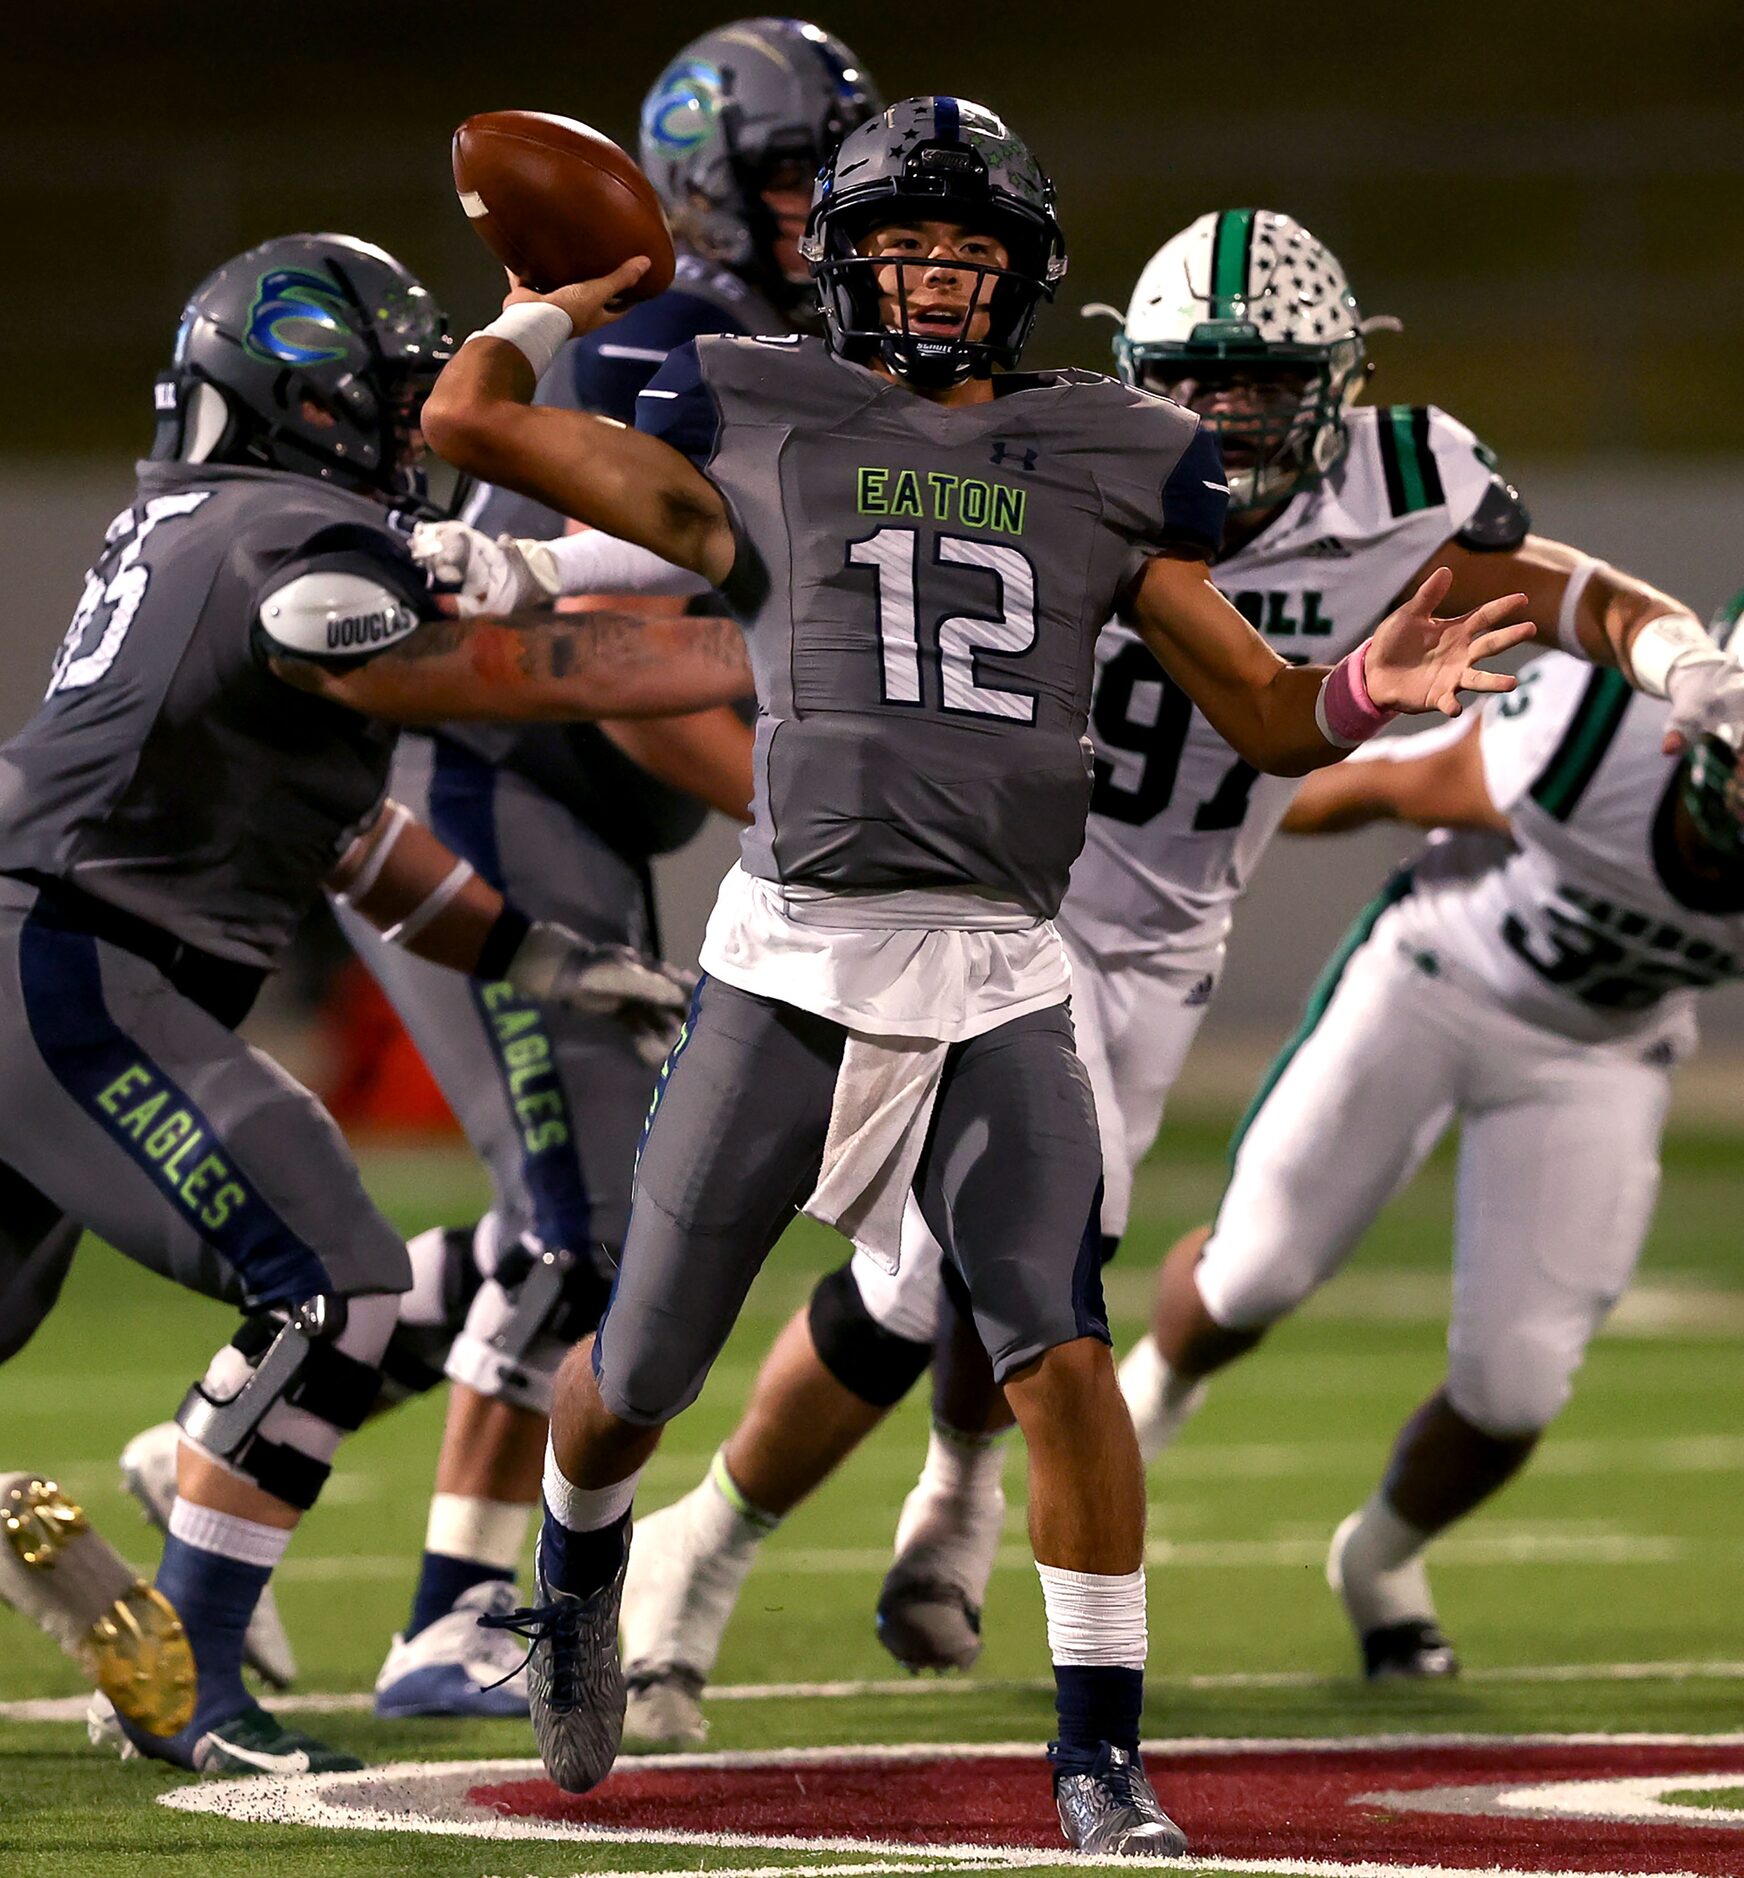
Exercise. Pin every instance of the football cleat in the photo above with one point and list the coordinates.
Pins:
(254, 1742)
(1111, 1807)
(72, 1584)
(1412, 1643)
(455, 1666)
(664, 1709)
(575, 1683)
(929, 1606)
(679, 1594)
(1415, 1648)
(148, 1472)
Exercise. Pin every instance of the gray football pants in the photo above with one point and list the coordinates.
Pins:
(126, 1108)
(1010, 1182)
(551, 1100)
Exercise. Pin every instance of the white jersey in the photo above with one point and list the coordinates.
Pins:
(1178, 820)
(1588, 923)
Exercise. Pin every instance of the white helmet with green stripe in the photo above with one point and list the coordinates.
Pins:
(1248, 317)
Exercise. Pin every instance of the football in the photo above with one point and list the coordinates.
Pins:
(555, 201)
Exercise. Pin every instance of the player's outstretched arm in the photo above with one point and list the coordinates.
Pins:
(1602, 614)
(418, 894)
(1432, 780)
(481, 417)
(1287, 720)
(538, 667)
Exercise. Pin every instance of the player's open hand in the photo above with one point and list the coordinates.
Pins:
(1421, 661)
(590, 304)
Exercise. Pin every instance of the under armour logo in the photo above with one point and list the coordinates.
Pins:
(1004, 452)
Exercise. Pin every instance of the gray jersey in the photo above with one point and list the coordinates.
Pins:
(168, 772)
(921, 588)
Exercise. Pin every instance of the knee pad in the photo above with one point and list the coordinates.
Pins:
(1249, 1287)
(526, 1314)
(1512, 1392)
(276, 1401)
(866, 1359)
(447, 1273)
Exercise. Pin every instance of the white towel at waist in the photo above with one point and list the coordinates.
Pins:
(879, 1118)
(933, 967)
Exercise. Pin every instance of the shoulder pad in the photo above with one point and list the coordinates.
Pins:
(1499, 522)
(335, 617)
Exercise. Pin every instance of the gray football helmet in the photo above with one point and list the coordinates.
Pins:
(732, 107)
(934, 159)
(310, 353)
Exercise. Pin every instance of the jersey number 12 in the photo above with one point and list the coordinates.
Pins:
(894, 555)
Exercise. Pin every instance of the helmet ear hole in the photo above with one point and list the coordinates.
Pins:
(205, 422)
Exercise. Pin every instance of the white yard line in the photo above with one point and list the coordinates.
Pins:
(71, 1708)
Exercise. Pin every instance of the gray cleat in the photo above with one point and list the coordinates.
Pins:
(1112, 1807)
(575, 1682)
(926, 1621)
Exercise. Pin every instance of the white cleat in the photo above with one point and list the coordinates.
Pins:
(929, 1606)
(1391, 1613)
(73, 1585)
(148, 1472)
(452, 1667)
(679, 1594)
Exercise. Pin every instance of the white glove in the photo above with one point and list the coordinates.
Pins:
(485, 576)
(1705, 690)
(553, 965)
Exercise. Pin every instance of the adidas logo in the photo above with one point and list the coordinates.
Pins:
(1201, 992)
(1327, 548)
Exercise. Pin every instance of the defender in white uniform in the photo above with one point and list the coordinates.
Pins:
(1534, 975)
(1336, 508)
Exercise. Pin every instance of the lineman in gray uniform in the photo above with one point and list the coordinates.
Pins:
(565, 823)
(922, 558)
(216, 732)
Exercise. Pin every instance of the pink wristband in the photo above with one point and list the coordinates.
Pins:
(1344, 711)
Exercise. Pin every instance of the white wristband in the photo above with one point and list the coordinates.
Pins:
(1567, 636)
(432, 904)
(1661, 643)
(537, 330)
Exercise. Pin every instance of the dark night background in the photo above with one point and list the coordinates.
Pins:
(1550, 197)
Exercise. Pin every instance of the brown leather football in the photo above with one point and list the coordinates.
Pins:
(556, 202)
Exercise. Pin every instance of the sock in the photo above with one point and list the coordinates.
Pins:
(1097, 1639)
(584, 1531)
(467, 1541)
(213, 1570)
(1160, 1402)
(964, 1466)
(723, 1518)
(1379, 1568)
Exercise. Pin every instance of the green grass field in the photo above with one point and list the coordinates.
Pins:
(1622, 1546)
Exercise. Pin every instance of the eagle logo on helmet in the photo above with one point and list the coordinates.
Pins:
(285, 295)
(684, 108)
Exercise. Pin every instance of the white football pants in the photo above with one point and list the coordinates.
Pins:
(1558, 1173)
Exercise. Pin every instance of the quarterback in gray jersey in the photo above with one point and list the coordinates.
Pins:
(212, 750)
(565, 819)
(922, 553)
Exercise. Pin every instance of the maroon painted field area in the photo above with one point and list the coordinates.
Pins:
(1246, 1802)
